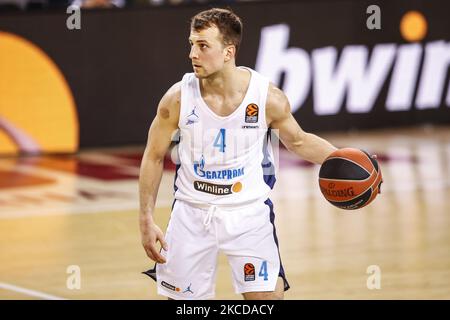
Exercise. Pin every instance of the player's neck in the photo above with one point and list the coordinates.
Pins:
(223, 82)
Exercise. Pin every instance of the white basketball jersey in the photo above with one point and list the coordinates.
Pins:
(224, 160)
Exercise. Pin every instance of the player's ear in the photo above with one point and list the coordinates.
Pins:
(230, 52)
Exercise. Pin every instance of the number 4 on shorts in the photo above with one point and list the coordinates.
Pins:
(263, 271)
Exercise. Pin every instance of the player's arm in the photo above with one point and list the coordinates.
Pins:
(159, 139)
(308, 146)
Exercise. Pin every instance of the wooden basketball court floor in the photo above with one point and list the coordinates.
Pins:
(57, 212)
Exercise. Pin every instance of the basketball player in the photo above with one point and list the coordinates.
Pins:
(223, 114)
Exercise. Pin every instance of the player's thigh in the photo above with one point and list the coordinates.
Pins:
(191, 257)
(252, 250)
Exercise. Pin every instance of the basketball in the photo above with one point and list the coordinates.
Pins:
(350, 178)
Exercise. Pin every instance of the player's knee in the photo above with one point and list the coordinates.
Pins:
(271, 295)
(277, 294)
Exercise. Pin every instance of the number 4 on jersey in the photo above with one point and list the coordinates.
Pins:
(220, 140)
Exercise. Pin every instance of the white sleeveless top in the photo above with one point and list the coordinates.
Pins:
(223, 160)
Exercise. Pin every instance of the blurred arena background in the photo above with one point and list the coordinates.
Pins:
(77, 96)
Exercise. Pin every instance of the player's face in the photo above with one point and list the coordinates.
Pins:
(208, 54)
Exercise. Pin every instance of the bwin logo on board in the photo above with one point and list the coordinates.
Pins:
(358, 74)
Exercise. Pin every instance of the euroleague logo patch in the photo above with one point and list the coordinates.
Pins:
(251, 113)
(249, 272)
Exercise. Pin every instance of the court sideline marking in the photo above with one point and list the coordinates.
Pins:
(29, 292)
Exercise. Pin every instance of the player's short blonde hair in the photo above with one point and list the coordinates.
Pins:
(228, 23)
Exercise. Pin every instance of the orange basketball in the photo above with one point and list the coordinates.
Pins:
(350, 178)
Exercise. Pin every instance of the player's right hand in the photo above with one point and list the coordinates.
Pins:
(149, 242)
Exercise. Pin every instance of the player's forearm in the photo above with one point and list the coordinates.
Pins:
(149, 180)
(312, 148)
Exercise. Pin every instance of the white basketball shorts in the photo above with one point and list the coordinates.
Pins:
(195, 236)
